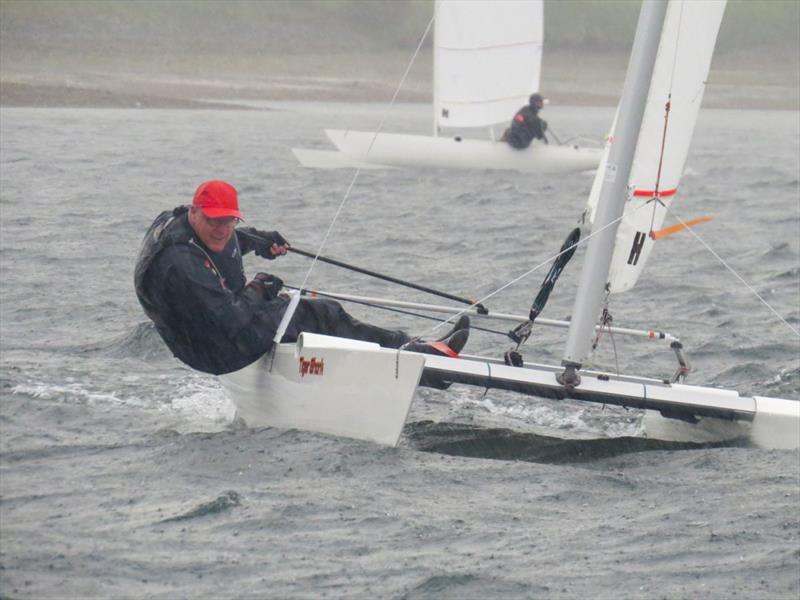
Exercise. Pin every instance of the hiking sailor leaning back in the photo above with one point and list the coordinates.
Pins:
(527, 125)
(190, 281)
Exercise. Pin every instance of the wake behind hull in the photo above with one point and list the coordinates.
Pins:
(419, 151)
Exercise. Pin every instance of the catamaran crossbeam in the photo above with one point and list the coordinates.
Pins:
(767, 422)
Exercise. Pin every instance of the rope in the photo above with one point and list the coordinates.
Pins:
(394, 309)
(728, 267)
(605, 324)
(735, 274)
(656, 199)
(481, 309)
(526, 274)
(372, 142)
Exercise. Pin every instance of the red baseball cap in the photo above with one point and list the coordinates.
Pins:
(217, 199)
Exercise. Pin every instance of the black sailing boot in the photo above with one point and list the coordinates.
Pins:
(449, 345)
(461, 323)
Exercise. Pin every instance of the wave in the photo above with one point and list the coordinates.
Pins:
(784, 384)
(469, 585)
(143, 342)
(792, 274)
(69, 392)
(221, 503)
(198, 401)
(778, 250)
(564, 415)
(458, 439)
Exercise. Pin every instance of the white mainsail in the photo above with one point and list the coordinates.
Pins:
(678, 82)
(487, 59)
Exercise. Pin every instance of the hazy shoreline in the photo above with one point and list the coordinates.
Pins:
(195, 96)
(203, 83)
(218, 54)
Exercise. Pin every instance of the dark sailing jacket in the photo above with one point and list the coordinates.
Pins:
(198, 299)
(526, 126)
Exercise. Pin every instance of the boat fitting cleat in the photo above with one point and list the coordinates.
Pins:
(513, 358)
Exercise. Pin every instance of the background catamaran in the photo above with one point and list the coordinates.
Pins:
(360, 390)
(487, 61)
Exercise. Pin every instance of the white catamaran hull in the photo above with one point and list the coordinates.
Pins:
(403, 150)
(775, 424)
(360, 390)
(330, 385)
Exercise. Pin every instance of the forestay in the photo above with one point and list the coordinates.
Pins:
(487, 59)
(676, 92)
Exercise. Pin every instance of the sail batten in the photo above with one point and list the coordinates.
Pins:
(524, 44)
(480, 101)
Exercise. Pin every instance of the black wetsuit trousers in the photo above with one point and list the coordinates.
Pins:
(327, 317)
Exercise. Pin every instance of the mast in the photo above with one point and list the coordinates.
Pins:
(613, 192)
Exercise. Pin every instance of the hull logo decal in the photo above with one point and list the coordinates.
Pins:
(311, 366)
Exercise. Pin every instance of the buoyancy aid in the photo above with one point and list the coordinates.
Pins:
(198, 299)
(525, 127)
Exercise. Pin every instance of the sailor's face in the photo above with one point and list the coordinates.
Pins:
(214, 233)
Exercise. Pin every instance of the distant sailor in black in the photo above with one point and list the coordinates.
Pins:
(190, 281)
(526, 125)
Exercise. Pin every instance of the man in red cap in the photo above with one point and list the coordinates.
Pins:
(190, 281)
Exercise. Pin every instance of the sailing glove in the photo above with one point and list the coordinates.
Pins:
(267, 284)
(264, 245)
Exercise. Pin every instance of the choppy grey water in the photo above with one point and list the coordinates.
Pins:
(125, 475)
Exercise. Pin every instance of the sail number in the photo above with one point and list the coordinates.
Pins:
(636, 248)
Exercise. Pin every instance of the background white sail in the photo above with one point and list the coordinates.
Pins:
(487, 63)
(487, 59)
(681, 69)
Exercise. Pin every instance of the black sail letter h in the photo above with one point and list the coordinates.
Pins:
(636, 249)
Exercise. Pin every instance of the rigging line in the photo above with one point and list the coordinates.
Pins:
(358, 169)
(488, 379)
(656, 200)
(331, 261)
(392, 309)
(614, 346)
(553, 133)
(527, 273)
(402, 81)
(389, 278)
(677, 45)
(731, 269)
